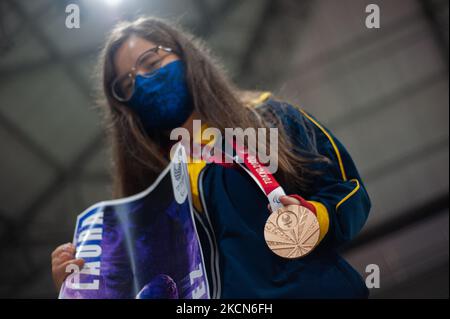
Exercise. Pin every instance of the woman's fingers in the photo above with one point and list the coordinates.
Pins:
(62, 257)
(62, 254)
(60, 270)
(78, 262)
(287, 200)
(68, 247)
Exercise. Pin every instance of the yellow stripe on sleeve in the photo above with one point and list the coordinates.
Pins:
(350, 194)
(322, 218)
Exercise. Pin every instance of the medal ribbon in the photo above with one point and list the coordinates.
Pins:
(257, 171)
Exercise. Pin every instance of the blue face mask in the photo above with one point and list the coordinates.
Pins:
(163, 100)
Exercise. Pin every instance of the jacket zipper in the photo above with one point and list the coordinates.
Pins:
(207, 226)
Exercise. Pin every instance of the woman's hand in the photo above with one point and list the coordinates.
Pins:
(63, 256)
(286, 200)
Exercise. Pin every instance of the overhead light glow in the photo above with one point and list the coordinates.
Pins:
(112, 3)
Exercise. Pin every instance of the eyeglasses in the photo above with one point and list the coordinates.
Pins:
(147, 65)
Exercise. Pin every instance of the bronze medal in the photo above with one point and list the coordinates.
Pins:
(292, 231)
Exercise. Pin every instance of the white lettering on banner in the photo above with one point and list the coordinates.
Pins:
(94, 219)
(73, 281)
(201, 289)
(90, 234)
(89, 248)
(92, 268)
(89, 251)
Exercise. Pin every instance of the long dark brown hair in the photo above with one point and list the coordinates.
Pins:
(136, 153)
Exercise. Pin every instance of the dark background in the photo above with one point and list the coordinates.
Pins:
(383, 92)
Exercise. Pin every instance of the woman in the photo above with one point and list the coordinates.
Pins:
(156, 78)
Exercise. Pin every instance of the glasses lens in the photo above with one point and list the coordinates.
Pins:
(123, 88)
(149, 64)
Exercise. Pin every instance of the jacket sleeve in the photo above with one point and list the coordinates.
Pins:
(340, 199)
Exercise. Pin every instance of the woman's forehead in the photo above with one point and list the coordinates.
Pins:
(129, 52)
